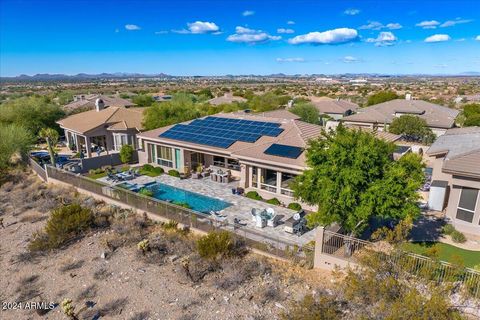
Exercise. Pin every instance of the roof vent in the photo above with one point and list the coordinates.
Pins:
(99, 105)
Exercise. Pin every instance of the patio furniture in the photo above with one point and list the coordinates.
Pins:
(271, 217)
(297, 224)
(214, 177)
(196, 175)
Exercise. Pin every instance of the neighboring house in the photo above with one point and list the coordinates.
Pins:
(456, 177)
(104, 128)
(88, 102)
(381, 115)
(226, 98)
(334, 108)
(264, 151)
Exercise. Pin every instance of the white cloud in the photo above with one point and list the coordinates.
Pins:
(117, 30)
(251, 36)
(350, 59)
(202, 27)
(394, 26)
(441, 65)
(290, 22)
(161, 32)
(375, 25)
(247, 13)
(351, 12)
(290, 60)
(438, 38)
(451, 23)
(428, 24)
(477, 38)
(132, 27)
(372, 25)
(385, 38)
(283, 30)
(335, 36)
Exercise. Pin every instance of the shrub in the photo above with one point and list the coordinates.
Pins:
(253, 195)
(448, 229)
(458, 237)
(217, 244)
(182, 204)
(274, 201)
(148, 167)
(143, 246)
(170, 225)
(174, 173)
(65, 223)
(310, 307)
(126, 153)
(158, 170)
(295, 206)
(146, 192)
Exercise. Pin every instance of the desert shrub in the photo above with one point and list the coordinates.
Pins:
(236, 272)
(294, 206)
(126, 153)
(146, 192)
(458, 237)
(174, 173)
(158, 170)
(448, 229)
(196, 268)
(64, 224)
(218, 244)
(182, 204)
(312, 308)
(274, 201)
(253, 195)
(148, 167)
(170, 225)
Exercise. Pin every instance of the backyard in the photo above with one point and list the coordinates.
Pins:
(445, 252)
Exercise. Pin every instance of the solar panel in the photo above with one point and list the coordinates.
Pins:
(222, 132)
(282, 150)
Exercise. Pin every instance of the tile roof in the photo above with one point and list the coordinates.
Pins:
(435, 115)
(329, 105)
(89, 101)
(461, 147)
(117, 118)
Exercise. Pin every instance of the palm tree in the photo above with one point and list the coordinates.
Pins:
(51, 137)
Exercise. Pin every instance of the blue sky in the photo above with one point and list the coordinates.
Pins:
(213, 37)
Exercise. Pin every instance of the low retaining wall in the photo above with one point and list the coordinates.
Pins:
(104, 160)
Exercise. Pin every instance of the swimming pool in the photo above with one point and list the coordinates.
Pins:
(197, 202)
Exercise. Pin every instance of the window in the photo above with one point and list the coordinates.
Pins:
(268, 180)
(254, 182)
(119, 140)
(287, 180)
(219, 161)
(233, 164)
(467, 204)
(164, 156)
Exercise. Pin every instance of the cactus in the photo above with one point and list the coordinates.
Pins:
(144, 246)
(68, 309)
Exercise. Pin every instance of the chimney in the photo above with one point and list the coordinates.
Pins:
(99, 105)
(408, 96)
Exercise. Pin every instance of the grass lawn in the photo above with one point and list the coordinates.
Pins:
(149, 173)
(445, 252)
(97, 175)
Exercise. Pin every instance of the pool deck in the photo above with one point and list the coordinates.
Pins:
(241, 206)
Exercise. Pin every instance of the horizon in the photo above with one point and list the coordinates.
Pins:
(219, 38)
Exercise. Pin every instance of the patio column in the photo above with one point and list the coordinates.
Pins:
(78, 143)
(88, 147)
(67, 137)
(279, 182)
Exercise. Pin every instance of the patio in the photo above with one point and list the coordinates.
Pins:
(241, 206)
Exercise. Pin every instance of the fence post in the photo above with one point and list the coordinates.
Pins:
(318, 246)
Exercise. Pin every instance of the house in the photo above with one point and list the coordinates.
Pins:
(226, 98)
(456, 177)
(380, 116)
(263, 151)
(104, 128)
(334, 108)
(88, 102)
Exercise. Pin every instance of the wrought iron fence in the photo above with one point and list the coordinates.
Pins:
(348, 248)
(255, 239)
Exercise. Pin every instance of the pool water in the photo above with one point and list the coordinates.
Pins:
(196, 201)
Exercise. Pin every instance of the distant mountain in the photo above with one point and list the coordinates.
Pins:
(470, 73)
(83, 76)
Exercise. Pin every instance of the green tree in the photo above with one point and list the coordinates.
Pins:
(413, 127)
(180, 108)
(126, 153)
(65, 97)
(14, 139)
(267, 102)
(51, 136)
(381, 96)
(143, 100)
(307, 112)
(471, 114)
(33, 113)
(352, 178)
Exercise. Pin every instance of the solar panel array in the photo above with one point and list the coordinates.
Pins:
(222, 132)
(282, 150)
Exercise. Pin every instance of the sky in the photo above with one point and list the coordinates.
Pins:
(213, 37)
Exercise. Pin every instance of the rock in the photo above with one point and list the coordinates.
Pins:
(279, 305)
(212, 298)
(172, 258)
(103, 255)
(226, 299)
